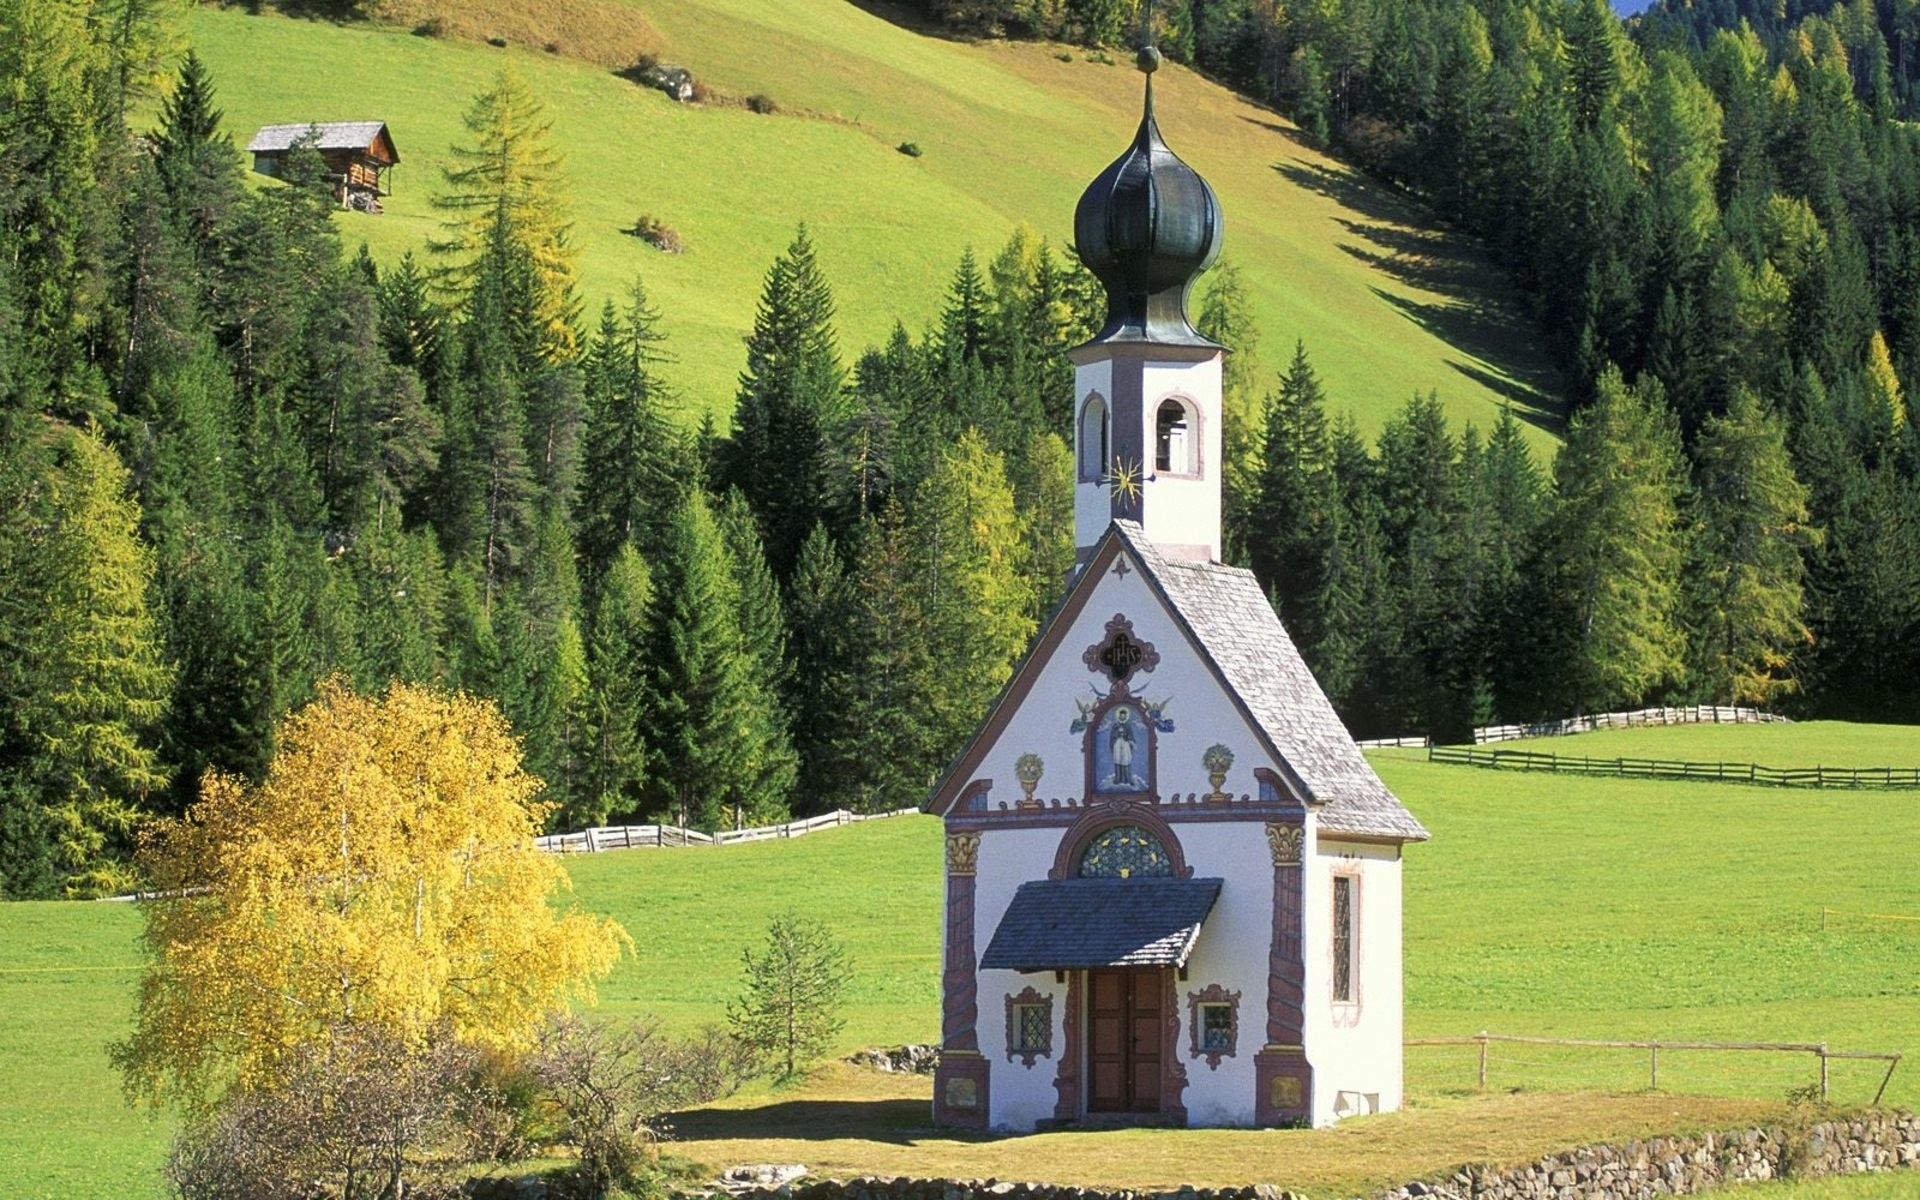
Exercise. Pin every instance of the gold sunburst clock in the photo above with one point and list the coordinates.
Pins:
(1125, 479)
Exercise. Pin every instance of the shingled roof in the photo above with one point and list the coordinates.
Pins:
(1076, 924)
(1233, 623)
(331, 135)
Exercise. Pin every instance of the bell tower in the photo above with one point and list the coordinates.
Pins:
(1147, 387)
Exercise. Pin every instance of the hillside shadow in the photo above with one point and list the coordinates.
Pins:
(1488, 334)
(895, 1122)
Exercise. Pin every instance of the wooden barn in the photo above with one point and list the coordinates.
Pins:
(358, 155)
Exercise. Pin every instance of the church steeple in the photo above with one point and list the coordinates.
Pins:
(1148, 390)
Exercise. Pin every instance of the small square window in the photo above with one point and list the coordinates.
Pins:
(1216, 1028)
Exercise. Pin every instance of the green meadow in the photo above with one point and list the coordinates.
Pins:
(1387, 302)
(1803, 744)
(1543, 905)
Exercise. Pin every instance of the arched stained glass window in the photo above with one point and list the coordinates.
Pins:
(1124, 852)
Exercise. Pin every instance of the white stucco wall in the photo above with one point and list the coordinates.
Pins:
(1202, 713)
(1019, 1095)
(1232, 952)
(1177, 511)
(1180, 511)
(1355, 1048)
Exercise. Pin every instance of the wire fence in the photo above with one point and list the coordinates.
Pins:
(1587, 1062)
(1883, 778)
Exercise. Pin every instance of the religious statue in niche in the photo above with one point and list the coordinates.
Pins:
(1122, 742)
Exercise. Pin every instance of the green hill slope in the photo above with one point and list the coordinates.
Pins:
(1387, 303)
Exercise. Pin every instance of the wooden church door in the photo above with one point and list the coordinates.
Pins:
(1123, 1052)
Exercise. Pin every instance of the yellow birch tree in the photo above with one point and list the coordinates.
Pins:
(383, 876)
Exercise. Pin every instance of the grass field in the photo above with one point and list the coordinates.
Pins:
(1387, 303)
(1803, 744)
(1544, 905)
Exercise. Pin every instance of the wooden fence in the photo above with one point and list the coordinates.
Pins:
(1659, 768)
(1483, 1039)
(1688, 714)
(635, 837)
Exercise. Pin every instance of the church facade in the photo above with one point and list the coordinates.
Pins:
(1172, 879)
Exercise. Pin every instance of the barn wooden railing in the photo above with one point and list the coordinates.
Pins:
(1686, 714)
(1888, 778)
(636, 837)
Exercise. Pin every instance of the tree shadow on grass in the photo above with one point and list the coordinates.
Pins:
(894, 1122)
(1488, 334)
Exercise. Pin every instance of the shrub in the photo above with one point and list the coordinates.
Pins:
(762, 103)
(658, 234)
(911, 149)
(552, 47)
(612, 1084)
(1101, 57)
(1065, 56)
(497, 41)
(432, 27)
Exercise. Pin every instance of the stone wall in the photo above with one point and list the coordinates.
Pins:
(1668, 1166)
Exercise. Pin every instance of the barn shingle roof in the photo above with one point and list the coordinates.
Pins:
(1233, 623)
(1076, 924)
(333, 135)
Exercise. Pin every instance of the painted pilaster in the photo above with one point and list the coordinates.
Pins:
(960, 1080)
(1066, 1078)
(1283, 1078)
(1173, 1072)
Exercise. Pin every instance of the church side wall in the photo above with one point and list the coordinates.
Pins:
(1021, 1095)
(1355, 1047)
(1092, 504)
(1232, 955)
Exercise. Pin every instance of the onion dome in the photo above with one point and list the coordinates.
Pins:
(1147, 227)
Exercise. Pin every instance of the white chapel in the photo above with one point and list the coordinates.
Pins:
(1172, 879)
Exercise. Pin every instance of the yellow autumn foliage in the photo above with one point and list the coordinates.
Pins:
(383, 875)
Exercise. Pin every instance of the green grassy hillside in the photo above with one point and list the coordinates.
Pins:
(1543, 905)
(1387, 303)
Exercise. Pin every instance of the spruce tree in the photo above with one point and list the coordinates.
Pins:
(892, 739)
(635, 460)
(1287, 539)
(722, 756)
(780, 454)
(617, 758)
(824, 651)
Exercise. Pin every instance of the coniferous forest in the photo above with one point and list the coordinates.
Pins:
(237, 458)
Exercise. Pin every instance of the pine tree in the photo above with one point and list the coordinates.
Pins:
(1617, 546)
(1744, 594)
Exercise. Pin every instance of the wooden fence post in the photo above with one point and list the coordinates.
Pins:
(1483, 1060)
(1823, 1072)
(1654, 1070)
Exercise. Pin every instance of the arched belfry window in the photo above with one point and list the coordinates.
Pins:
(1125, 852)
(1093, 439)
(1176, 439)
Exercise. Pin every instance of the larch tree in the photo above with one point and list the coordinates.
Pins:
(1617, 545)
(1751, 530)
(971, 568)
(509, 178)
(1226, 316)
(382, 876)
(98, 681)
